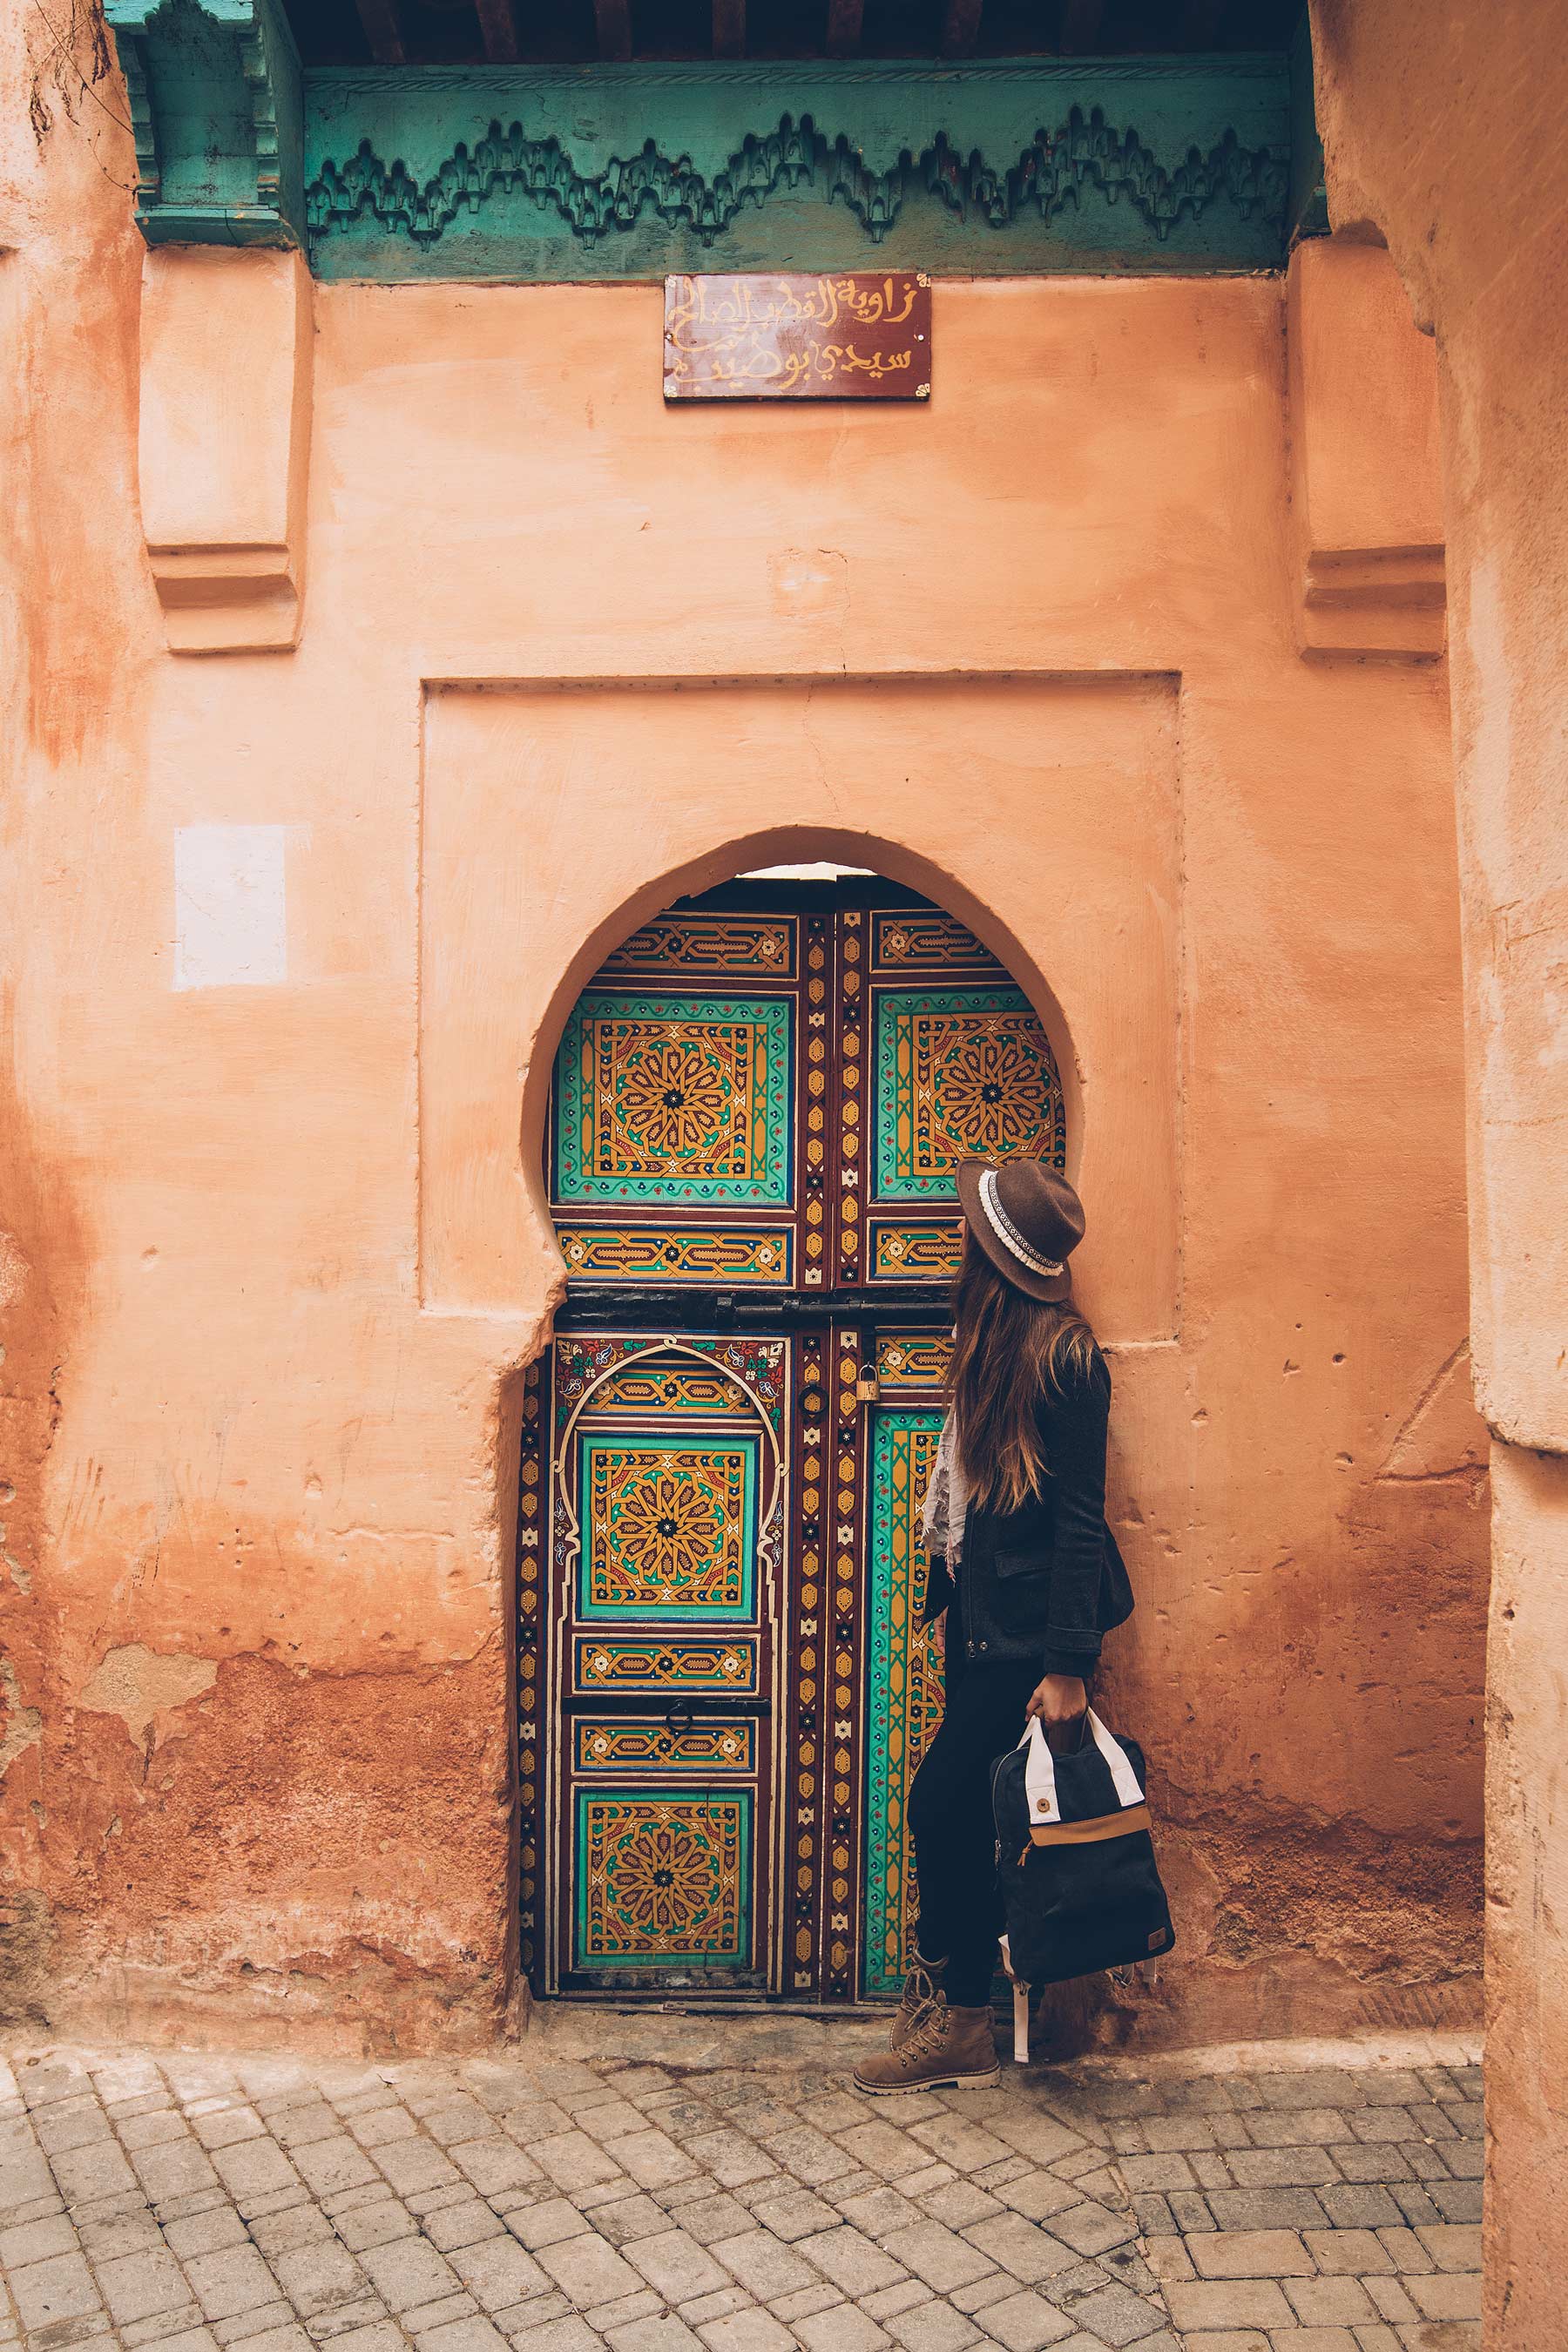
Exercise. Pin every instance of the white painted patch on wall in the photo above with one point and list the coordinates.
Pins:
(231, 908)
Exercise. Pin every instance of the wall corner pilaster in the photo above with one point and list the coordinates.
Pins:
(224, 439)
(1366, 513)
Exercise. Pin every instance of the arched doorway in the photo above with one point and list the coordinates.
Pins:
(760, 1102)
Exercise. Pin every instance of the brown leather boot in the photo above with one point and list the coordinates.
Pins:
(921, 1987)
(945, 2048)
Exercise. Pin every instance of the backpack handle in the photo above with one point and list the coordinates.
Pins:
(1040, 1770)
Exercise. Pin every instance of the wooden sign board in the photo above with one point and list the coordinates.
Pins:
(864, 335)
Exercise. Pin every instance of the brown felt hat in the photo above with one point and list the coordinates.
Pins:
(1027, 1218)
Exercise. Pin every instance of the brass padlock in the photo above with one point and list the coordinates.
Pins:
(866, 1388)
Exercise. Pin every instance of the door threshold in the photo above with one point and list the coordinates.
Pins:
(736, 2005)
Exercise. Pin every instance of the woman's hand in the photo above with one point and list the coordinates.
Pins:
(1060, 1701)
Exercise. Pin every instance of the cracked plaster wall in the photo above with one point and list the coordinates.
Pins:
(256, 1581)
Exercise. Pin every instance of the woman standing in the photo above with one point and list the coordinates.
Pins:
(1030, 1574)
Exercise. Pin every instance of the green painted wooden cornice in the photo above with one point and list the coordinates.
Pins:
(629, 171)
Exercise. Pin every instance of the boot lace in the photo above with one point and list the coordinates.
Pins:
(930, 2030)
(919, 1991)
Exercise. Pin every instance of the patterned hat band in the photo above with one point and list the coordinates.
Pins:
(1007, 1232)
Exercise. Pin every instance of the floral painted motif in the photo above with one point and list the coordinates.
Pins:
(663, 1881)
(667, 1527)
(962, 1074)
(674, 1099)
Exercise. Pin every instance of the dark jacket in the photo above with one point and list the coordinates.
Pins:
(1046, 1581)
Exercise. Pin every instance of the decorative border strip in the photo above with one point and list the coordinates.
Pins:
(652, 1253)
(1083, 154)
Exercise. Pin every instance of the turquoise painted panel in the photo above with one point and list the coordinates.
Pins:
(962, 1073)
(669, 1100)
(903, 1685)
(634, 172)
(668, 1527)
(663, 1880)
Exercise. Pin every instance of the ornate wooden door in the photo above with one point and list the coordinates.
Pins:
(760, 1102)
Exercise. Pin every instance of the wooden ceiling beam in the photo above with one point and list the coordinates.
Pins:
(498, 31)
(729, 28)
(843, 22)
(381, 30)
(961, 26)
(1080, 35)
(613, 24)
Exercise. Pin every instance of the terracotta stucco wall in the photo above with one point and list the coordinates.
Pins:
(1443, 134)
(256, 1587)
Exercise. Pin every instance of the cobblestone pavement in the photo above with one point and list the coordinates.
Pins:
(731, 2193)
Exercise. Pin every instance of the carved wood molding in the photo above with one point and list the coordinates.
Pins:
(1084, 156)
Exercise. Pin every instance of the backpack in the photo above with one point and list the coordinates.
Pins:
(1074, 1860)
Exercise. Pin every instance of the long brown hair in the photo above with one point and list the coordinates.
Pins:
(1008, 1349)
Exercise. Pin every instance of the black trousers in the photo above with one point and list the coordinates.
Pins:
(951, 1821)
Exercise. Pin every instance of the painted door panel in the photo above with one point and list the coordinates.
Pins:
(725, 1693)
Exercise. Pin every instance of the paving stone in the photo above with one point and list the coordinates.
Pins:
(1254, 2254)
(810, 2156)
(256, 2320)
(716, 2305)
(664, 2334)
(589, 2271)
(136, 2332)
(1457, 2200)
(1330, 2301)
(235, 2279)
(1039, 2195)
(1445, 2295)
(841, 2328)
(462, 2224)
(806, 2302)
(551, 2219)
(933, 2328)
(622, 2309)
(897, 2299)
(963, 2144)
(675, 2265)
(851, 2260)
(62, 2287)
(1367, 2206)
(1023, 2322)
(937, 2255)
(1021, 2247)
(499, 2273)
(377, 2224)
(1227, 2303)
(253, 2168)
(566, 2335)
(730, 2157)
(1390, 2296)
(1261, 2209)
(1091, 2228)
(1349, 2253)
(142, 2285)
(795, 2214)
(1116, 2315)
(961, 2203)
(746, 2331)
(711, 2218)
(34, 2241)
(763, 2265)
(422, 2316)
(462, 2335)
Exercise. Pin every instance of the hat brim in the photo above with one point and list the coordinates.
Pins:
(1048, 1286)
